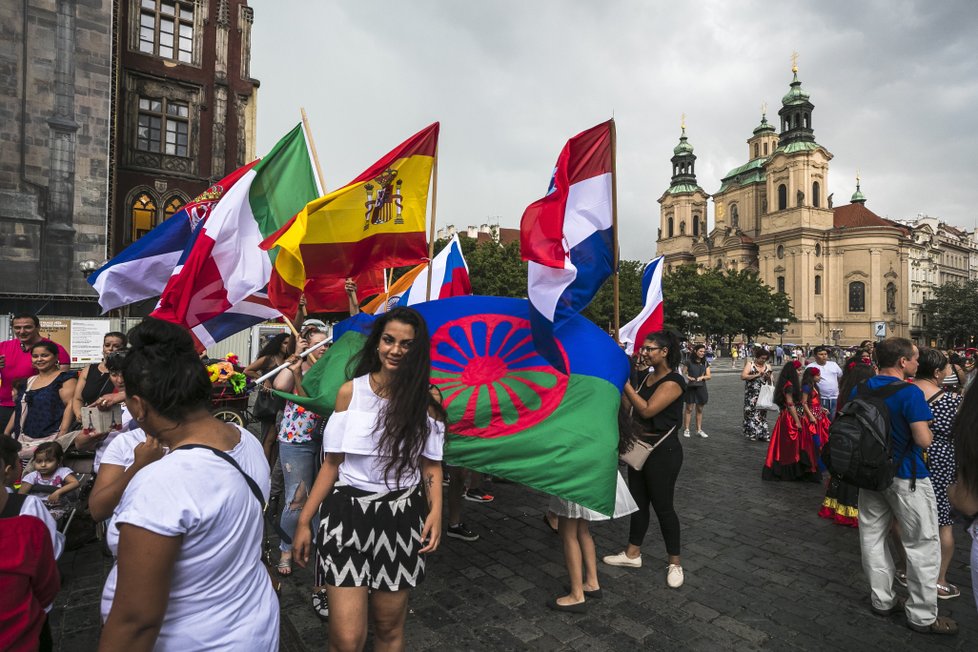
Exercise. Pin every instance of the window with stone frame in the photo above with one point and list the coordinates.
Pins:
(166, 28)
(781, 284)
(857, 296)
(143, 215)
(163, 127)
(818, 284)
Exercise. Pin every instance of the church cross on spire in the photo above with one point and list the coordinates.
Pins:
(794, 62)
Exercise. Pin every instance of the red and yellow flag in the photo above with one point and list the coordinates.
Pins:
(375, 221)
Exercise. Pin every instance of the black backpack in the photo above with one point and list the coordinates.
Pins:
(860, 449)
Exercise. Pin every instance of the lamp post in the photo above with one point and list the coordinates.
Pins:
(781, 321)
(688, 317)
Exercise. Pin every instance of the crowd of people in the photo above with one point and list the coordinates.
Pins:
(183, 498)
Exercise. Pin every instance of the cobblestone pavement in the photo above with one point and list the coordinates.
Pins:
(762, 572)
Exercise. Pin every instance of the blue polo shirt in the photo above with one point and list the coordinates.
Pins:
(906, 406)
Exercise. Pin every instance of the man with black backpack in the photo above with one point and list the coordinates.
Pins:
(908, 499)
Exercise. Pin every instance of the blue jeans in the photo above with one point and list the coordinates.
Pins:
(829, 404)
(298, 462)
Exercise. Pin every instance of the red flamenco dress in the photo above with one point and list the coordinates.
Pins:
(819, 428)
(791, 452)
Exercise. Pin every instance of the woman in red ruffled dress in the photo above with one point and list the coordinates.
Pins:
(790, 453)
(816, 420)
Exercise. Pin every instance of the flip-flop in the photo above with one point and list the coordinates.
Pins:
(284, 567)
(950, 591)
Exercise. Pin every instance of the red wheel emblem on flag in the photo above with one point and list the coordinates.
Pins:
(492, 380)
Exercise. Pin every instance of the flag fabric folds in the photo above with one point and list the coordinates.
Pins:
(329, 294)
(142, 269)
(376, 221)
(651, 318)
(510, 413)
(449, 278)
(225, 266)
(567, 236)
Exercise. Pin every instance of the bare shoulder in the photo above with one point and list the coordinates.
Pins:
(344, 397)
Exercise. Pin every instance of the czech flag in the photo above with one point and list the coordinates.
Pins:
(651, 318)
(449, 278)
(567, 236)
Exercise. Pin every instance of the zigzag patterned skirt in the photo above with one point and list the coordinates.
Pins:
(372, 539)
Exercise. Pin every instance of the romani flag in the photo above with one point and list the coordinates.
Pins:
(567, 236)
(225, 265)
(510, 412)
(651, 318)
(376, 221)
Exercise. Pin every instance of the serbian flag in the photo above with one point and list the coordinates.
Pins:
(449, 278)
(225, 265)
(567, 236)
(651, 318)
(376, 221)
(142, 269)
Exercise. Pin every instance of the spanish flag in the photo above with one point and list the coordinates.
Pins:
(375, 221)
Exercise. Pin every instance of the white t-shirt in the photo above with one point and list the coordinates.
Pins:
(828, 387)
(355, 434)
(220, 597)
(57, 479)
(121, 450)
(34, 507)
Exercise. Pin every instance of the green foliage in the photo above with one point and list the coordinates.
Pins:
(952, 313)
(601, 310)
(727, 303)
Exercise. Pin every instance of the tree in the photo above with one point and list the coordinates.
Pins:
(630, 299)
(952, 313)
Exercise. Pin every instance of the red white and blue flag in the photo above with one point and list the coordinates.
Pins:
(449, 277)
(651, 318)
(567, 237)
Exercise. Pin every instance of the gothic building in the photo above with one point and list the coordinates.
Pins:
(55, 106)
(844, 268)
(184, 114)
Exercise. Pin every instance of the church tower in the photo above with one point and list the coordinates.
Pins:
(682, 208)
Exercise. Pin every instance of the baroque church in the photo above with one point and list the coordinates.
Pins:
(844, 268)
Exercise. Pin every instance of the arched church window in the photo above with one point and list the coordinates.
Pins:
(670, 227)
(765, 149)
(782, 197)
(757, 150)
(143, 215)
(781, 284)
(172, 206)
(696, 226)
(780, 251)
(818, 284)
(816, 193)
(857, 296)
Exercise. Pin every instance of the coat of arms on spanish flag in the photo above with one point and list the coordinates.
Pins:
(375, 221)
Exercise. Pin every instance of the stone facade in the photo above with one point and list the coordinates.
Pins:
(55, 105)
(844, 268)
(939, 254)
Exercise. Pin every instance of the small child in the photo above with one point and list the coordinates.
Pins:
(49, 477)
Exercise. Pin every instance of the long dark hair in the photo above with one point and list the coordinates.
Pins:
(162, 367)
(668, 340)
(855, 373)
(965, 436)
(699, 359)
(789, 374)
(627, 430)
(404, 423)
(808, 379)
(273, 347)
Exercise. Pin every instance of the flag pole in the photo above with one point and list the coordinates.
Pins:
(614, 223)
(431, 236)
(288, 322)
(312, 149)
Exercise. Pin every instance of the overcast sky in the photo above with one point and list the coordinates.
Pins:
(894, 84)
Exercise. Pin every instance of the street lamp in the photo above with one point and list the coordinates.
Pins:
(689, 316)
(781, 321)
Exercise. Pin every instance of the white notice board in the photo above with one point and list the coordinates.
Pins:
(86, 339)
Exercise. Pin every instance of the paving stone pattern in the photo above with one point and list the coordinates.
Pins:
(762, 572)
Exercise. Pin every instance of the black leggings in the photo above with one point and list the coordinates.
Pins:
(655, 484)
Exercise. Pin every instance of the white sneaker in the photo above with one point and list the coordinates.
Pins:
(702, 434)
(621, 559)
(674, 576)
(686, 433)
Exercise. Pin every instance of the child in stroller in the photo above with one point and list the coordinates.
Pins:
(50, 481)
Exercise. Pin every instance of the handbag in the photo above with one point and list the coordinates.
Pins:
(267, 405)
(765, 398)
(636, 456)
